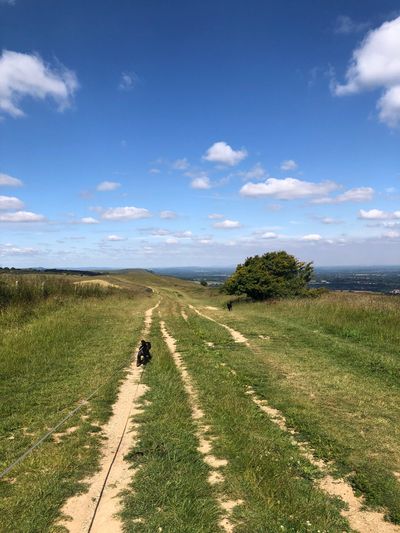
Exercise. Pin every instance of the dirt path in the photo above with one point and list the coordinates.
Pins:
(95, 510)
(360, 519)
(205, 441)
(236, 335)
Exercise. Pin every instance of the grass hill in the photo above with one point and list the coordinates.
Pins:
(244, 432)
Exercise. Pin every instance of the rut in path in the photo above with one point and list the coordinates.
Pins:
(96, 509)
(205, 442)
(360, 519)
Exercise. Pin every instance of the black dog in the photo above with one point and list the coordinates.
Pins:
(144, 355)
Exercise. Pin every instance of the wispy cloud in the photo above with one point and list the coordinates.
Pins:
(128, 81)
(289, 164)
(358, 194)
(257, 172)
(168, 215)
(89, 220)
(9, 181)
(346, 25)
(227, 224)
(108, 186)
(25, 75)
(125, 213)
(180, 164)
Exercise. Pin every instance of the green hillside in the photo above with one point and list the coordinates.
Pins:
(240, 435)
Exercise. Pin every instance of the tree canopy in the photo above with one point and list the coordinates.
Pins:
(272, 275)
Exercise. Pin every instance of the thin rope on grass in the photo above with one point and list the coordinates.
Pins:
(69, 415)
(115, 456)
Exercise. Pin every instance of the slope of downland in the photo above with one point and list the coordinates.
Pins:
(51, 357)
(331, 366)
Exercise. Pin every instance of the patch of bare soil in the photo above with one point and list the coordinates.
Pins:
(100, 282)
(236, 335)
(96, 509)
(360, 519)
(205, 441)
(184, 315)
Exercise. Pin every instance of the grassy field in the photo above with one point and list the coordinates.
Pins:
(330, 365)
(53, 354)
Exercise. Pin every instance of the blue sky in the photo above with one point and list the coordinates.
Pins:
(154, 133)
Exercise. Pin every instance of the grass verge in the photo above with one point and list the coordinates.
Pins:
(49, 361)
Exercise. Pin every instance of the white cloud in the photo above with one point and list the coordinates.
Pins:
(312, 237)
(269, 235)
(389, 107)
(377, 214)
(288, 188)
(201, 183)
(108, 186)
(89, 220)
(376, 64)
(183, 234)
(25, 75)
(346, 25)
(9, 249)
(168, 215)
(391, 234)
(215, 216)
(8, 2)
(358, 194)
(154, 170)
(128, 81)
(125, 213)
(22, 216)
(258, 172)
(158, 232)
(330, 220)
(115, 238)
(10, 202)
(227, 224)
(171, 240)
(6, 180)
(289, 164)
(221, 152)
(180, 164)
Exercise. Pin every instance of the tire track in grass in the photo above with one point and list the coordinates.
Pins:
(96, 509)
(360, 519)
(205, 442)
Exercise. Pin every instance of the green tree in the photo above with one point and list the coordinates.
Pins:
(272, 275)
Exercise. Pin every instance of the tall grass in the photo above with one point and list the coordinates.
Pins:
(30, 289)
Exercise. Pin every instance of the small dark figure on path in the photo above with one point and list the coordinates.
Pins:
(144, 355)
(229, 306)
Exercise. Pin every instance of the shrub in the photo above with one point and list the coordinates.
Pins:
(272, 275)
